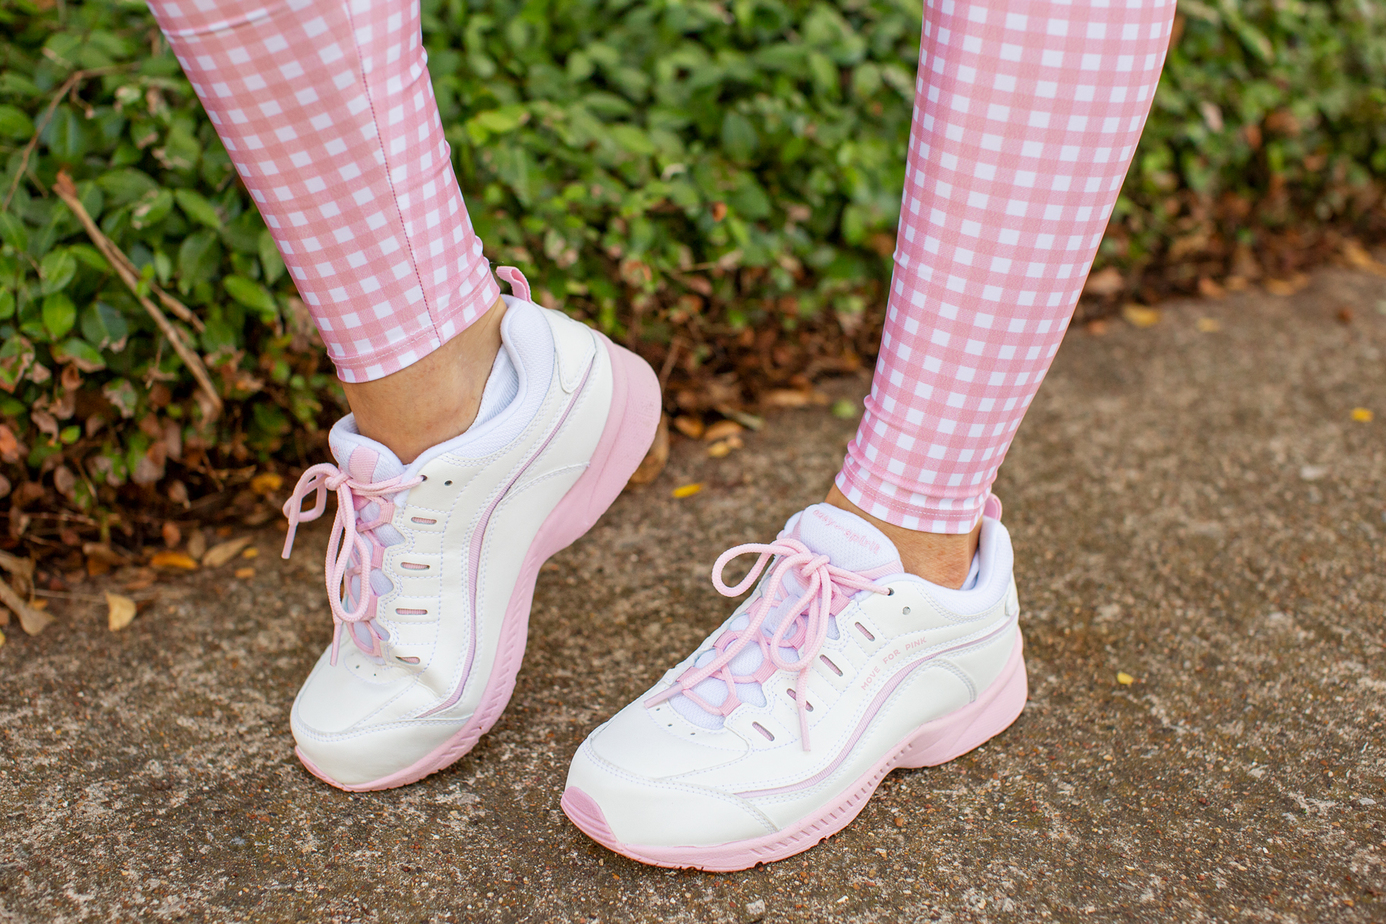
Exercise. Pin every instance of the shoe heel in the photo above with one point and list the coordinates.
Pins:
(941, 740)
(636, 405)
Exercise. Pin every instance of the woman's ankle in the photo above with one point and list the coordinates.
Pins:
(941, 558)
(434, 399)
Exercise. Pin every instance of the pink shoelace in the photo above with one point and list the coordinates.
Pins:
(353, 550)
(823, 598)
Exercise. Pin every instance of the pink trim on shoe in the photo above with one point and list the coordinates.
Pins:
(929, 745)
(629, 431)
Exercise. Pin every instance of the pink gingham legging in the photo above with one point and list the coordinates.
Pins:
(1027, 113)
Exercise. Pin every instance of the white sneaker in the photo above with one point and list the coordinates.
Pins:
(425, 652)
(772, 736)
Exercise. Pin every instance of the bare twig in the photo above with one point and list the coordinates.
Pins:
(68, 84)
(32, 619)
(67, 191)
(184, 313)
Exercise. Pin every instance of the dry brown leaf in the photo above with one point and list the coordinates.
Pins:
(1359, 257)
(721, 430)
(141, 578)
(197, 544)
(4, 616)
(656, 458)
(32, 618)
(244, 573)
(690, 426)
(173, 536)
(787, 397)
(223, 552)
(1210, 288)
(250, 552)
(120, 610)
(2, 640)
(266, 483)
(1140, 315)
(1104, 283)
(1286, 287)
(101, 558)
(179, 560)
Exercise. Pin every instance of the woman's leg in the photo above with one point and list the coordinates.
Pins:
(1025, 122)
(843, 664)
(327, 111)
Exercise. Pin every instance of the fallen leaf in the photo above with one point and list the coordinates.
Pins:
(1209, 288)
(787, 397)
(845, 409)
(1104, 283)
(167, 559)
(1236, 283)
(1208, 325)
(120, 611)
(1345, 315)
(223, 552)
(1362, 415)
(2, 639)
(173, 536)
(244, 573)
(687, 490)
(250, 552)
(32, 618)
(1140, 315)
(197, 544)
(101, 558)
(1098, 327)
(266, 483)
(4, 616)
(721, 448)
(1359, 257)
(690, 426)
(656, 457)
(142, 578)
(721, 430)
(1287, 287)
(1125, 679)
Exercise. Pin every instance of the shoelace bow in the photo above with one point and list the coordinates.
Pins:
(350, 539)
(821, 579)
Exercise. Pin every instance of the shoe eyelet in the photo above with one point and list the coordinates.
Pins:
(423, 477)
(447, 484)
(905, 611)
(890, 592)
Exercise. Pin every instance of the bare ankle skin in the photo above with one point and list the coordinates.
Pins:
(436, 398)
(942, 558)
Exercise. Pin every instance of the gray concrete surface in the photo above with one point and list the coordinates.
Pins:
(1195, 509)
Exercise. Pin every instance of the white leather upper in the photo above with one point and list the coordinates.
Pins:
(368, 717)
(661, 780)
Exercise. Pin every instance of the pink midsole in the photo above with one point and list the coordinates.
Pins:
(629, 431)
(929, 745)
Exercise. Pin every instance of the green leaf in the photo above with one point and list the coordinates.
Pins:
(14, 123)
(151, 210)
(739, 138)
(122, 395)
(80, 353)
(59, 314)
(105, 326)
(199, 258)
(13, 231)
(65, 135)
(253, 296)
(126, 185)
(271, 263)
(57, 269)
(197, 208)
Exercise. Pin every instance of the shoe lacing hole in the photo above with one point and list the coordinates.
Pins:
(905, 611)
(867, 632)
(425, 521)
(835, 669)
(413, 566)
(763, 730)
(408, 612)
(448, 483)
(890, 592)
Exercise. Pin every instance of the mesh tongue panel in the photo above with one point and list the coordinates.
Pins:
(850, 543)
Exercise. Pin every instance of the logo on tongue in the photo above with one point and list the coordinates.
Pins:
(860, 539)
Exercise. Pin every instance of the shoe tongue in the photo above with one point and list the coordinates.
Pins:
(849, 541)
(361, 457)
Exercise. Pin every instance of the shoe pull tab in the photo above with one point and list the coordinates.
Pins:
(518, 283)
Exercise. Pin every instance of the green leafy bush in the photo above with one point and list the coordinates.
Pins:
(719, 182)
